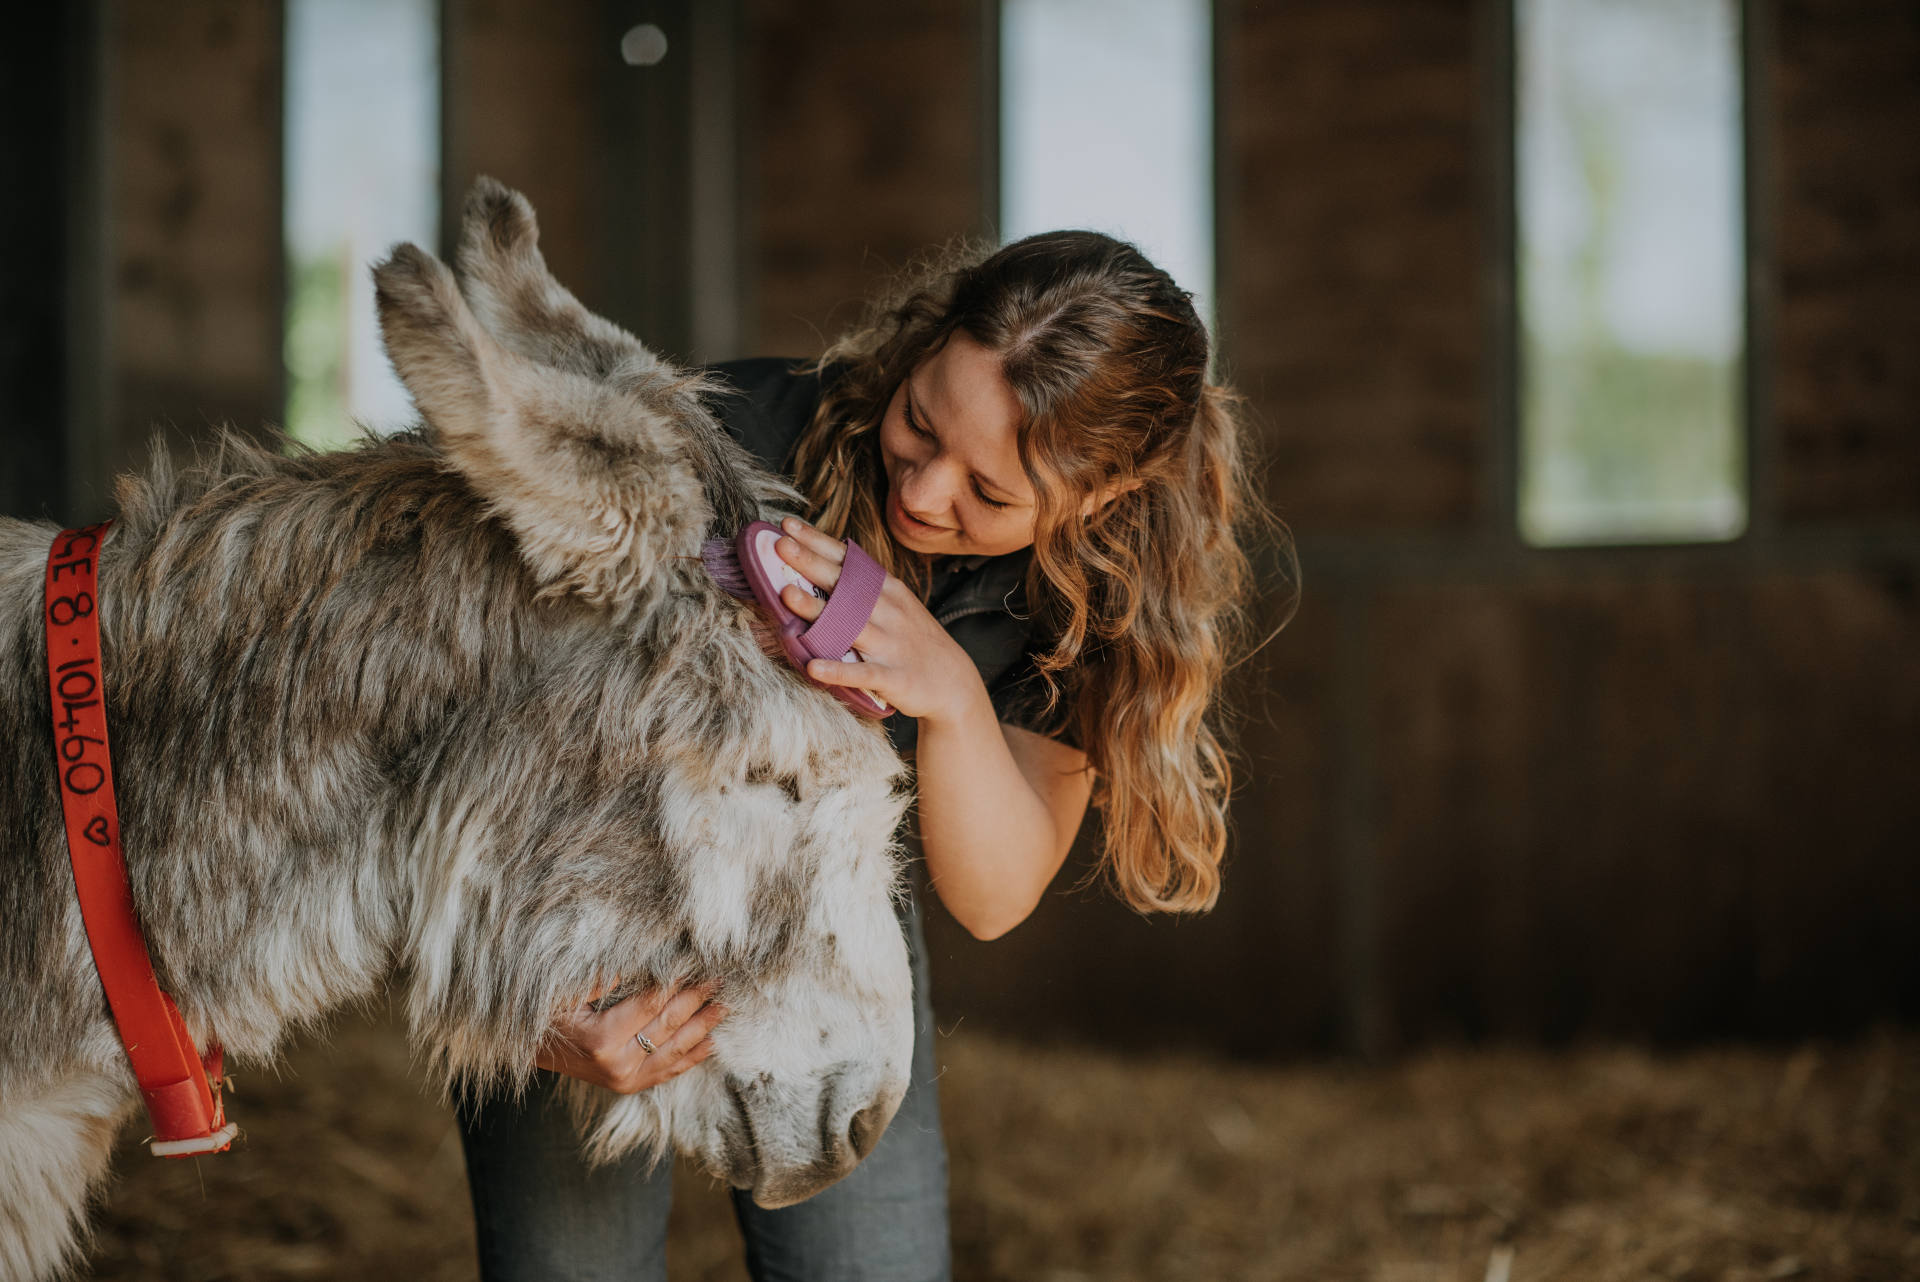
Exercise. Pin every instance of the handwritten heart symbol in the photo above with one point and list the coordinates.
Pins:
(97, 831)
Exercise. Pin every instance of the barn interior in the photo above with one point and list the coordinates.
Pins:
(1570, 910)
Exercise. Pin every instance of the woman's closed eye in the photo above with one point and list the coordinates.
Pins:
(913, 421)
(913, 425)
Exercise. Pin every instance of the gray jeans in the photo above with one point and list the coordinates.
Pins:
(541, 1214)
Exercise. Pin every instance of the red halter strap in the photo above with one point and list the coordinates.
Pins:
(181, 1090)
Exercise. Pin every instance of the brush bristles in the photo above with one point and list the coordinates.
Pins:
(723, 566)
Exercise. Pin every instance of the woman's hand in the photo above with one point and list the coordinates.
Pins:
(911, 662)
(602, 1047)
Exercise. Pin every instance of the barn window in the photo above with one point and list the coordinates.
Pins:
(362, 171)
(1106, 122)
(1631, 265)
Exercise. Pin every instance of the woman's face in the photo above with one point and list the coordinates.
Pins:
(950, 445)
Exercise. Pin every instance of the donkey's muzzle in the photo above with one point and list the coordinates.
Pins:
(843, 1145)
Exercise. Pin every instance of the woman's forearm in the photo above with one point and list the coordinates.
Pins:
(990, 824)
(999, 806)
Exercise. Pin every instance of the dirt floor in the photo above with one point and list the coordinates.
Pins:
(1071, 1166)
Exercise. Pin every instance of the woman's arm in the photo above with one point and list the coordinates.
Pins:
(999, 809)
(999, 806)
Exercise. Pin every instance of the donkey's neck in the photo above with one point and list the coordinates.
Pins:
(291, 643)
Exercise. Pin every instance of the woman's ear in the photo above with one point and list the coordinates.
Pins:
(1099, 499)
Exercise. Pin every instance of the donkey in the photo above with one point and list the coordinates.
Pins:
(462, 711)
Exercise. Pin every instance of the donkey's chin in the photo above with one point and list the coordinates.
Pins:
(849, 1144)
(797, 1186)
(753, 1156)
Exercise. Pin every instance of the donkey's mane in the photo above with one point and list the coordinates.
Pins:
(284, 506)
(275, 556)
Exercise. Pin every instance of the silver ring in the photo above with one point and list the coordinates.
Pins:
(645, 1045)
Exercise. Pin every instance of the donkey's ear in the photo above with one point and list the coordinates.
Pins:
(593, 480)
(505, 280)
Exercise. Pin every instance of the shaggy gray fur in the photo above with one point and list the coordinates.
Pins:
(459, 708)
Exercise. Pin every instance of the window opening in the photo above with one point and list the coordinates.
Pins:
(362, 171)
(1631, 264)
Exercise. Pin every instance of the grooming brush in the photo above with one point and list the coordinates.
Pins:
(748, 567)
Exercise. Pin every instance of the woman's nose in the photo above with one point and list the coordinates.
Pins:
(927, 492)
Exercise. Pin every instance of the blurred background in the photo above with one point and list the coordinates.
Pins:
(1581, 340)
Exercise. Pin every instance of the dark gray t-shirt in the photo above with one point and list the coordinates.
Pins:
(981, 601)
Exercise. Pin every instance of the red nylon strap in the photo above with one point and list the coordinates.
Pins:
(180, 1089)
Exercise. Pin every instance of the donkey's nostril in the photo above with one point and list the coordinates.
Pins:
(864, 1133)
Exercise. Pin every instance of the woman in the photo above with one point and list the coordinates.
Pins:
(1029, 443)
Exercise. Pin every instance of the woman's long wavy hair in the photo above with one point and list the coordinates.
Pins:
(1143, 601)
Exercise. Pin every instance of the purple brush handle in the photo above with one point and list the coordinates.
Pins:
(831, 635)
(848, 608)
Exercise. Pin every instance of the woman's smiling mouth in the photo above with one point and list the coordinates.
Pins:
(913, 524)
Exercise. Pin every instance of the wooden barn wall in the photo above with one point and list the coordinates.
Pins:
(517, 103)
(46, 88)
(1845, 194)
(868, 142)
(156, 130)
(149, 301)
(193, 262)
(1485, 790)
(538, 96)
